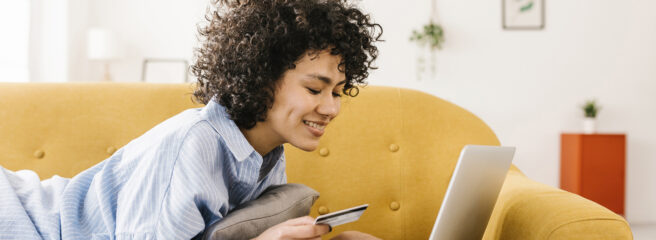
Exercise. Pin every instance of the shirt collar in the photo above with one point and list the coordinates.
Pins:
(234, 139)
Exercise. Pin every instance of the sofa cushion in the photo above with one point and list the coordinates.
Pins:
(276, 204)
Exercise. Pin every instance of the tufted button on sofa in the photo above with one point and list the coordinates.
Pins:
(392, 148)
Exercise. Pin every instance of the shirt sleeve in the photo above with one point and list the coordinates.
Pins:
(197, 192)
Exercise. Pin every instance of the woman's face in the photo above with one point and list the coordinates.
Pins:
(307, 99)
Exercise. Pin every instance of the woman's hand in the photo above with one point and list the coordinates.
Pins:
(297, 228)
(354, 235)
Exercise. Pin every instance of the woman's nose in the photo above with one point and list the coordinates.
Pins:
(329, 106)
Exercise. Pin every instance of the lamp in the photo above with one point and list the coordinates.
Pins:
(102, 45)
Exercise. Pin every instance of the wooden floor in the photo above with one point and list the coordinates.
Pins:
(644, 231)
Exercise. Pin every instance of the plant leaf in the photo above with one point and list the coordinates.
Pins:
(526, 7)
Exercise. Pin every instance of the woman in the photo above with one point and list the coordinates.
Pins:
(270, 72)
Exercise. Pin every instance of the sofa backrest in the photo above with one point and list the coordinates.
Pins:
(392, 148)
(64, 128)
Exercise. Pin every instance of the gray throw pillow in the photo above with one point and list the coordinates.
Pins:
(275, 205)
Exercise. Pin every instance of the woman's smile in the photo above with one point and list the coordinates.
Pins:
(315, 128)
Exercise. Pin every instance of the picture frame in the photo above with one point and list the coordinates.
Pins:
(523, 14)
(158, 70)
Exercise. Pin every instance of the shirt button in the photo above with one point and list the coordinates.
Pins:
(111, 150)
(393, 147)
(39, 154)
(323, 210)
(324, 152)
(395, 206)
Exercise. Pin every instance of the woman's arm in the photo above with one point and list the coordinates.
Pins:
(198, 191)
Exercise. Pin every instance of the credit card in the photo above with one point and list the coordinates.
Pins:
(342, 217)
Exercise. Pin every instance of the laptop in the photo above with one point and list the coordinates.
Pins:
(472, 192)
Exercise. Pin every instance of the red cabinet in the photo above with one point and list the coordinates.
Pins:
(593, 166)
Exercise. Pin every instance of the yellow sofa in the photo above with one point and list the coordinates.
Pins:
(392, 148)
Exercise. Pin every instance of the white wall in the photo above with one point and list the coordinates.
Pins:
(78, 24)
(527, 85)
(145, 29)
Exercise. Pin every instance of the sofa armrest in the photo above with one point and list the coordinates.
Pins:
(530, 210)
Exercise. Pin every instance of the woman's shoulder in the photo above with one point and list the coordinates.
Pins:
(188, 125)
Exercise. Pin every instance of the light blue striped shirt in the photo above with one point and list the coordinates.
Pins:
(170, 183)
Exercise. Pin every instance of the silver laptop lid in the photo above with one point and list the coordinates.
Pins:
(472, 192)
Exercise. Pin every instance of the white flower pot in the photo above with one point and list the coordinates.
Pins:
(589, 125)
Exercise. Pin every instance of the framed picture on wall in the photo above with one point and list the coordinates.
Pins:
(523, 14)
(159, 70)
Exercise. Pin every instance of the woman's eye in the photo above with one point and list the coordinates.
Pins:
(314, 92)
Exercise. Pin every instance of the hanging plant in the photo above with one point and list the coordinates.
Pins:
(429, 38)
(432, 35)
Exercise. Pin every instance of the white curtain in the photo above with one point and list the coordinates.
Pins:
(49, 40)
(34, 41)
(14, 41)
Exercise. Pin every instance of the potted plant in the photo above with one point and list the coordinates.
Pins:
(590, 110)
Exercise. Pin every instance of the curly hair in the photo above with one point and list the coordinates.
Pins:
(246, 46)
